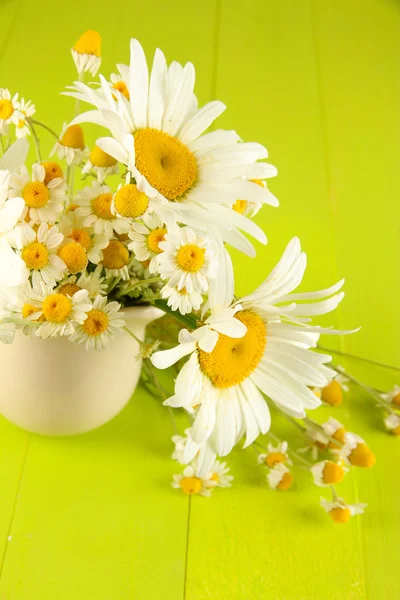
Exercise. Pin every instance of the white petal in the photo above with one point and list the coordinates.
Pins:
(201, 121)
(157, 90)
(167, 358)
(138, 84)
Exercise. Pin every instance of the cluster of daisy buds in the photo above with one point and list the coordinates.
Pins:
(277, 461)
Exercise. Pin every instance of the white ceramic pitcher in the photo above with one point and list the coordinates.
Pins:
(56, 387)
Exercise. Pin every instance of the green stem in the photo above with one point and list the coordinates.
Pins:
(114, 284)
(189, 321)
(2, 144)
(371, 392)
(149, 281)
(36, 139)
(360, 358)
(45, 127)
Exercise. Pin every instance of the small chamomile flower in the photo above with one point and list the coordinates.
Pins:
(74, 256)
(128, 202)
(39, 252)
(191, 484)
(87, 53)
(327, 472)
(392, 424)
(340, 511)
(94, 206)
(219, 473)
(146, 236)
(179, 442)
(103, 322)
(356, 452)
(93, 282)
(61, 313)
(182, 300)
(9, 110)
(392, 397)
(247, 208)
(187, 260)
(72, 227)
(119, 82)
(23, 308)
(44, 202)
(101, 163)
(27, 110)
(71, 145)
(279, 477)
(317, 441)
(52, 171)
(115, 260)
(275, 455)
(334, 429)
(332, 393)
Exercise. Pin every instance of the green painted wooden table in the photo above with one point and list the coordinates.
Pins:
(94, 516)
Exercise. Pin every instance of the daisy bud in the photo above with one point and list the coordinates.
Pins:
(393, 396)
(327, 473)
(280, 478)
(339, 511)
(332, 394)
(356, 452)
(71, 145)
(192, 485)
(87, 52)
(74, 256)
(52, 171)
(275, 455)
(392, 424)
(335, 430)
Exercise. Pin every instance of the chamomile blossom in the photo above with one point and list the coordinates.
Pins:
(23, 309)
(393, 396)
(93, 282)
(94, 206)
(356, 452)
(327, 472)
(129, 202)
(220, 473)
(275, 455)
(119, 81)
(103, 323)
(27, 110)
(87, 53)
(187, 260)
(44, 202)
(335, 430)
(224, 380)
(181, 300)
(179, 442)
(191, 484)
(146, 236)
(39, 252)
(317, 440)
(332, 393)
(115, 260)
(100, 163)
(340, 511)
(392, 423)
(71, 225)
(9, 110)
(279, 477)
(62, 313)
(159, 133)
(71, 146)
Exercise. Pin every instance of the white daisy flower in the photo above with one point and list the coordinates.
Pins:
(340, 511)
(392, 423)
(44, 202)
(327, 472)
(93, 282)
(192, 484)
(146, 236)
(332, 393)
(94, 206)
(130, 203)
(71, 225)
(9, 110)
(71, 145)
(181, 300)
(159, 135)
(275, 455)
(61, 313)
(87, 53)
(101, 163)
(279, 477)
(22, 307)
(115, 260)
(187, 260)
(39, 253)
(317, 441)
(27, 110)
(103, 323)
(119, 81)
(219, 473)
(355, 451)
(225, 378)
(392, 397)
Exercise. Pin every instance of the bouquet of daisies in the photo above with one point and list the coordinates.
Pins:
(72, 257)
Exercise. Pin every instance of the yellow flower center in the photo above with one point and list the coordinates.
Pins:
(274, 458)
(234, 359)
(96, 322)
(35, 255)
(69, 289)
(240, 206)
(190, 485)
(115, 256)
(340, 515)
(154, 238)
(52, 171)
(75, 257)
(362, 456)
(167, 164)
(21, 123)
(73, 137)
(35, 194)
(190, 258)
(285, 482)
(28, 310)
(332, 473)
(215, 477)
(81, 237)
(101, 207)
(57, 308)
(6, 109)
(121, 87)
(89, 43)
(396, 399)
(99, 158)
(332, 394)
(129, 202)
(339, 436)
